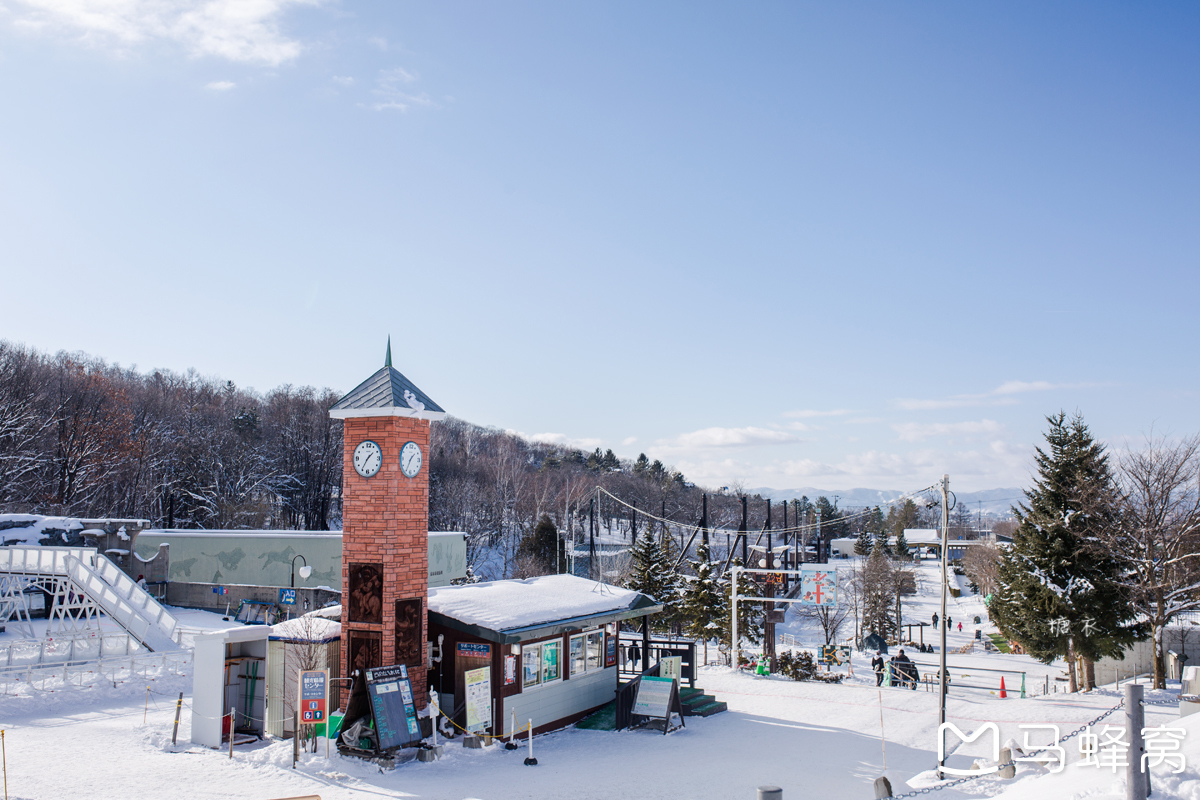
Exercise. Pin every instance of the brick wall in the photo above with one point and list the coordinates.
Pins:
(386, 521)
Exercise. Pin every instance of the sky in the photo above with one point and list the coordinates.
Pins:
(773, 244)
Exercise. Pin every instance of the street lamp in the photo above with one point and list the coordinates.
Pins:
(305, 570)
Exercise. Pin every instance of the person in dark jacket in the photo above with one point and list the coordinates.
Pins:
(635, 655)
(905, 670)
(877, 665)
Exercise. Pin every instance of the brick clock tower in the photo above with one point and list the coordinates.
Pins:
(385, 528)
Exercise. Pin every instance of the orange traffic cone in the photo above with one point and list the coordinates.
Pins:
(1002, 692)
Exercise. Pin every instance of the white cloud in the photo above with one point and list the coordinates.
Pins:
(729, 437)
(1000, 396)
(236, 30)
(916, 431)
(343, 81)
(392, 98)
(379, 41)
(805, 413)
(628, 440)
(220, 86)
(563, 440)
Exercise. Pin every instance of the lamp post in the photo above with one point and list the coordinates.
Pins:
(305, 570)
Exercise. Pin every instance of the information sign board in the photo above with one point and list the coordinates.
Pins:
(479, 698)
(287, 597)
(392, 706)
(314, 695)
(671, 667)
(654, 696)
(818, 587)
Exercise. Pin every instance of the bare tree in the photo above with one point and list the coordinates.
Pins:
(982, 564)
(1159, 532)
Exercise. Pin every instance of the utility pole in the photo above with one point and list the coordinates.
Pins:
(592, 538)
(942, 620)
(742, 533)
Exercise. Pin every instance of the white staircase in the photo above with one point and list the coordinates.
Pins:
(99, 583)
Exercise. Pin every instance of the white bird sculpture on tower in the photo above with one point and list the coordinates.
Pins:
(413, 403)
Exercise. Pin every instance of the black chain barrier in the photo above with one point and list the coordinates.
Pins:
(961, 781)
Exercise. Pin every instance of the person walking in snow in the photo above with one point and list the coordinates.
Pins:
(877, 665)
(935, 619)
(960, 627)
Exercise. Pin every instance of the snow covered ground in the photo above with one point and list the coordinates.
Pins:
(814, 740)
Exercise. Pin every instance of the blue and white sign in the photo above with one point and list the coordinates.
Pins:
(287, 597)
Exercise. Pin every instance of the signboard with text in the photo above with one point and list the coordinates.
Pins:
(818, 587)
(479, 698)
(314, 695)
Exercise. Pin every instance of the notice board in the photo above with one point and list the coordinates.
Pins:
(479, 698)
(392, 705)
(658, 698)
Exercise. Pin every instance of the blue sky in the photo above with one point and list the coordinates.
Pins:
(792, 244)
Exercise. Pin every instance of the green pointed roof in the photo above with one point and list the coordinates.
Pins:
(386, 394)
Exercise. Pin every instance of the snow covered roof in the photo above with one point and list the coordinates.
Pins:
(519, 610)
(309, 628)
(922, 536)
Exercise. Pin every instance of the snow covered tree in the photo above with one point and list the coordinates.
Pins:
(881, 545)
(1159, 533)
(750, 615)
(703, 605)
(653, 574)
(863, 545)
(901, 546)
(1059, 587)
(877, 594)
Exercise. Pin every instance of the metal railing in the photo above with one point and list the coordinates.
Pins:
(627, 694)
(659, 648)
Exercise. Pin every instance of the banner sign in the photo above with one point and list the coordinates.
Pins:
(474, 650)
(818, 587)
(671, 667)
(314, 695)
(479, 698)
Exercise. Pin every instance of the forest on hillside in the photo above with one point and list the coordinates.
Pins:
(84, 438)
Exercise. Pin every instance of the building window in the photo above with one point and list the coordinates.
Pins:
(551, 661)
(595, 647)
(531, 660)
(578, 663)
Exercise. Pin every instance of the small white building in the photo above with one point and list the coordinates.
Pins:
(230, 673)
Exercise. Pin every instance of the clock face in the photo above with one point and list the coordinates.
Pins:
(410, 459)
(368, 458)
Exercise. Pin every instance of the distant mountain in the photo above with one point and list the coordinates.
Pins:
(997, 502)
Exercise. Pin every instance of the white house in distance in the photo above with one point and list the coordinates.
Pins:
(927, 541)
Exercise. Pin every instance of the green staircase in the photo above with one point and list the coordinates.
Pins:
(698, 704)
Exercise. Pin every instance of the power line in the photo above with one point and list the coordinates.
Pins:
(795, 529)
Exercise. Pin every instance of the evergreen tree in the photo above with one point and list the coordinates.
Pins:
(750, 615)
(542, 546)
(1058, 592)
(863, 545)
(702, 605)
(653, 574)
(881, 545)
(877, 594)
(901, 545)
